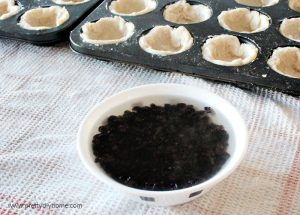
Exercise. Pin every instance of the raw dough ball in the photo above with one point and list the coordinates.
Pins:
(226, 50)
(44, 18)
(257, 3)
(107, 30)
(69, 2)
(8, 9)
(165, 40)
(182, 12)
(286, 61)
(243, 20)
(132, 7)
(290, 28)
(294, 5)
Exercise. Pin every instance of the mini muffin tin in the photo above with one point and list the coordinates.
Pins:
(258, 73)
(9, 28)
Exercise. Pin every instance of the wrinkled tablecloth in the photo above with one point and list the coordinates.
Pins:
(46, 92)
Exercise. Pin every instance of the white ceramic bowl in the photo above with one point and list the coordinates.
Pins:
(160, 94)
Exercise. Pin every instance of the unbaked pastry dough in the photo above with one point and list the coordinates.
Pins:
(182, 12)
(107, 30)
(69, 2)
(226, 50)
(243, 20)
(286, 61)
(8, 8)
(132, 7)
(44, 18)
(294, 5)
(165, 40)
(290, 28)
(257, 3)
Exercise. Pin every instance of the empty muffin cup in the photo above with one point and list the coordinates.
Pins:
(257, 3)
(294, 5)
(107, 30)
(227, 50)
(182, 12)
(44, 18)
(69, 2)
(243, 20)
(165, 40)
(8, 8)
(290, 28)
(286, 61)
(132, 7)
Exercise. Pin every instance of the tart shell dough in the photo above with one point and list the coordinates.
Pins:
(257, 3)
(294, 5)
(44, 18)
(290, 28)
(182, 12)
(107, 30)
(132, 7)
(226, 50)
(8, 8)
(69, 2)
(286, 61)
(243, 20)
(165, 40)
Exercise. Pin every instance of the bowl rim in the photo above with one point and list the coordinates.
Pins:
(197, 187)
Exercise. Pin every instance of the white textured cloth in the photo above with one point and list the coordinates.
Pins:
(46, 92)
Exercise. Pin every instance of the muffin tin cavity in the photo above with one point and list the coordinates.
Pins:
(286, 61)
(258, 3)
(182, 12)
(290, 28)
(108, 30)
(44, 18)
(165, 40)
(43, 22)
(8, 8)
(294, 5)
(69, 2)
(132, 7)
(227, 50)
(243, 20)
(245, 39)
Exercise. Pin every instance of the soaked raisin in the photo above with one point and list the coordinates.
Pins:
(161, 147)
